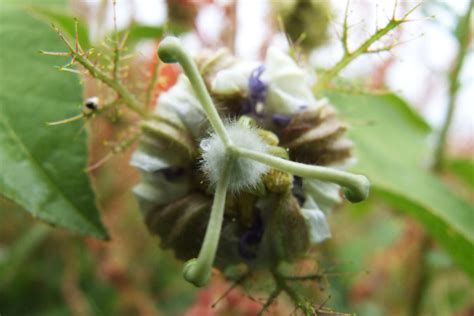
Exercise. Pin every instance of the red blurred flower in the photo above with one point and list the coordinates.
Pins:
(167, 77)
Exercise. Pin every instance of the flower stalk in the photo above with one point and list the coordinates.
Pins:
(198, 271)
(357, 185)
(171, 51)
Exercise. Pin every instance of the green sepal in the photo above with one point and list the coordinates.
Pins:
(174, 137)
(286, 235)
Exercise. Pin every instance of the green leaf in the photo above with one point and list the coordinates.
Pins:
(41, 167)
(390, 145)
(137, 32)
(65, 21)
(463, 169)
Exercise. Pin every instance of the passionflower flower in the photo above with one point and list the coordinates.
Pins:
(254, 131)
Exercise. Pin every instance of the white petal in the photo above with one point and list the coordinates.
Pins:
(233, 80)
(317, 225)
(324, 194)
(288, 85)
(181, 104)
(160, 194)
(148, 163)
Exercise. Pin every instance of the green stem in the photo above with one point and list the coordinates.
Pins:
(316, 276)
(113, 83)
(198, 271)
(171, 51)
(116, 62)
(273, 295)
(152, 84)
(350, 56)
(463, 40)
(358, 186)
(124, 94)
(294, 296)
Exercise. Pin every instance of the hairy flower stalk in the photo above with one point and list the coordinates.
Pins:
(171, 51)
(198, 271)
(236, 156)
(357, 185)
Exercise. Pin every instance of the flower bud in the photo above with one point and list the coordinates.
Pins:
(305, 21)
(277, 181)
(286, 235)
(316, 136)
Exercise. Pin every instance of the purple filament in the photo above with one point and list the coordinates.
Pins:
(257, 92)
(281, 120)
(257, 88)
(250, 240)
(297, 190)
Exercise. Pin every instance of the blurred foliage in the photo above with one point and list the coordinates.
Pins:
(66, 274)
(392, 152)
(463, 169)
(307, 22)
(64, 20)
(377, 256)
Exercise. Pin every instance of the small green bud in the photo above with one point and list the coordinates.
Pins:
(196, 274)
(269, 137)
(169, 49)
(277, 181)
(362, 193)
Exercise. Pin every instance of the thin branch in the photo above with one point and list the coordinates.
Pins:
(352, 89)
(60, 54)
(65, 68)
(232, 287)
(392, 46)
(99, 163)
(76, 36)
(117, 50)
(345, 29)
(116, 149)
(395, 6)
(294, 296)
(152, 84)
(463, 38)
(350, 56)
(380, 50)
(95, 72)
(273, 295)
(316, 276)
(67, 120)
(404, 18)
